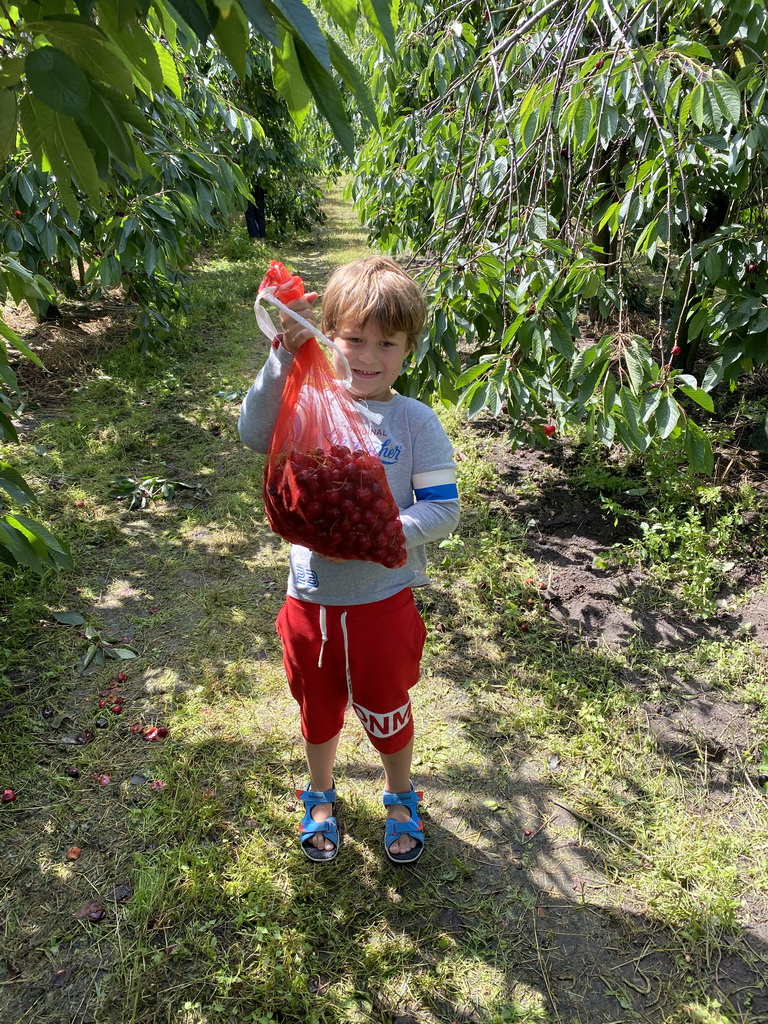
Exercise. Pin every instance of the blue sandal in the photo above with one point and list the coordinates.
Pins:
(394, 829)
(309, 827)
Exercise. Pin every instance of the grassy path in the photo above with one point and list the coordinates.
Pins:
(521, 910)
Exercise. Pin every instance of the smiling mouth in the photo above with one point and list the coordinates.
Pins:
(367, 373)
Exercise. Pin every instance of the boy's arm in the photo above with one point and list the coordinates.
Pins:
(260, 406)
(435, 513)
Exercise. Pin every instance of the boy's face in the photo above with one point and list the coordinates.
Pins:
(376, 359)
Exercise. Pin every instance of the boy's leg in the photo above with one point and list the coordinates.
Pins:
(320, 759)
(380, 688)
(397, 779)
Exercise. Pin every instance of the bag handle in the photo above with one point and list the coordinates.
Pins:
(264, 322)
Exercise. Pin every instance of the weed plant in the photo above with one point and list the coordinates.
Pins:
(686, 532)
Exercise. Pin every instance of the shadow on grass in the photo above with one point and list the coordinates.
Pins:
(519, 910)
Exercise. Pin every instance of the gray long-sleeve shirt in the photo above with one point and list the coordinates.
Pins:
(418, 461)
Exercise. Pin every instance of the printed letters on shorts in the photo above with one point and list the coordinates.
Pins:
(384, 724)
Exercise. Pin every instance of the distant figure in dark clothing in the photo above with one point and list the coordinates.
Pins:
(255, 216)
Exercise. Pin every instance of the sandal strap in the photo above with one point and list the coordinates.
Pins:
(312, 797)
(394, 829)
(328, 825)
(410, 800)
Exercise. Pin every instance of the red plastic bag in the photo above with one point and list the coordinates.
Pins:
(324, 484)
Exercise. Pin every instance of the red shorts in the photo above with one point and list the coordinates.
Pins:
(366, 655)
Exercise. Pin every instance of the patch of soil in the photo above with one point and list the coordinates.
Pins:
(570, 535)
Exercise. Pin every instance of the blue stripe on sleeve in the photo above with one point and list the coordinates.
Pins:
(439, 492)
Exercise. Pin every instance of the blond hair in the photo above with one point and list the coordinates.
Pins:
(374, 288)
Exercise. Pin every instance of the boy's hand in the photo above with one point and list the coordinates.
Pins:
(294, 335)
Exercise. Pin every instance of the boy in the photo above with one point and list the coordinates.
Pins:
(350, 629)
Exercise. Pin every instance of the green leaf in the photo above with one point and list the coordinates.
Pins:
(90, 50)
(199, 20)
(478, 399)
(304, 27)
(606, 429)
(637, 360)
(8, 118)
(57, 81)
(11, 72)
(111, 128)
(19, 547)
(11, 336)
(582, 119)
(15, 485)
(377, 14)
(259, 16)
(127, 111)
(74, 151)
(639, 436)
(168, 70)
(68, 618)
(289, 82)
(727, 96)
(700, 397)
(327, 97)
(649, 404)
(344, 14)
(137, 48)
(697, 105)
(609, 124)
(666, 416)
(123, 653)
(231, 33)
(44, 540)
(698, 448)
(352, 77)
(470, 374)
(759, 323)
(90, 654)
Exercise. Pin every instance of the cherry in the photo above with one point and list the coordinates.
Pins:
(162, 732)
(335, 501)
(9, 795)
(550, 429)
(73, 772)
(121, 677)
(676, 350)
(17, 213)
(116, 709)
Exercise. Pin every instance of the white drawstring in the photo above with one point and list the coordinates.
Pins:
(323, 633)
(324, 638)
(346, 656)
